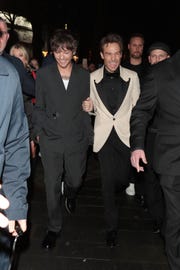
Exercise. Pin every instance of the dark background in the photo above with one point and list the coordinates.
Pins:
(90, 20)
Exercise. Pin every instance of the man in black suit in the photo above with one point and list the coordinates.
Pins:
(62, 128)
(157, 52)
(161, 95)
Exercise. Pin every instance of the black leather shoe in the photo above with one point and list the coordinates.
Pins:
(142, 201)
(49, 241)
(156, 230)
(157, 225)
(111, 238)
(70, 205)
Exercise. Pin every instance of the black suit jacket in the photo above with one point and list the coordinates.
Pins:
(161, 94)
(58, 116)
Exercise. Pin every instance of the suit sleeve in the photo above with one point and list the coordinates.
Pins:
(143, 112)
(86, 117)
(38, 116)
(27, 81)
(14, 151)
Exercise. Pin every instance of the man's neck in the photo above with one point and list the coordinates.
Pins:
(135, 61)
(65, 72)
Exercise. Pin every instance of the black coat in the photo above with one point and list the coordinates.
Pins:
(161, 94)
(58, 116)
(27, 82)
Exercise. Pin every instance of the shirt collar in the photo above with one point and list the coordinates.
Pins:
(115, 74)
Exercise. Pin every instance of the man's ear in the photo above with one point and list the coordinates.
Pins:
(102, 56)
(7, 36)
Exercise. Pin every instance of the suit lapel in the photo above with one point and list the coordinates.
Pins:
(122, 93)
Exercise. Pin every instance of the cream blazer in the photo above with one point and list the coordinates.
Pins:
(104, 120)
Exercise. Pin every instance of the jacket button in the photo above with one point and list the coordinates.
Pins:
(114, 119)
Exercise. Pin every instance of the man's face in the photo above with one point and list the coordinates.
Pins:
(4, 36)
(136, 46)
(111, 55)
(157, 56)
(63, 57)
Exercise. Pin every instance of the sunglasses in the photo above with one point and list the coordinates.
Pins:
(2, 33)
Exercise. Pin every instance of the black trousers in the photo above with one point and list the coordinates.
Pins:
(114, 158)
(171, 190)
(154, 196)
(55, 165)
(153, 190)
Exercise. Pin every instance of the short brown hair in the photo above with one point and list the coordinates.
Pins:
(64, 39)
(111, 38)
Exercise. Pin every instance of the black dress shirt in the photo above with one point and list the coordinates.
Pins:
(110, 90)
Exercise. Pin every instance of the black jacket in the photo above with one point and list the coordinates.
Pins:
(27, 82)
(161, 94)
(58, 116)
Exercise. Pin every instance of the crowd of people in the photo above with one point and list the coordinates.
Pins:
(134, 100)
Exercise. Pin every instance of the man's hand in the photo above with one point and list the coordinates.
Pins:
(22, 223)
(87, 105)
(136, 157)
(4, 204)
(33, 149)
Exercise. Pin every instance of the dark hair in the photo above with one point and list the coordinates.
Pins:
(64, 39)
(111, 38)
(136, 35)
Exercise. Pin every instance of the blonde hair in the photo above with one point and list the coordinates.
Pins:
(22, 48)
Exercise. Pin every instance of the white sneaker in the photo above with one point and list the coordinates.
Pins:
(130, 190)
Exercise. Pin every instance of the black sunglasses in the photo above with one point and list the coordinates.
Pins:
(2, 33)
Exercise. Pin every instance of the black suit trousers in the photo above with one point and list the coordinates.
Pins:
(171, 189)
(56, 164)
(153, 190)
(114, 158)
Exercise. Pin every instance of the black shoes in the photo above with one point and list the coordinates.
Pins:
(157, 227)
(142, 201)
(70, 205)
(49, 241)
(156, 230)
(111, 239)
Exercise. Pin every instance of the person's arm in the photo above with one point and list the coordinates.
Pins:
(141, 114)
(38, 116)
(88, 104)
(28, 84)
(27, 81)
(14, 149)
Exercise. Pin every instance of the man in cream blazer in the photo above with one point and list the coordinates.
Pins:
(114, 92)
(105, 120)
